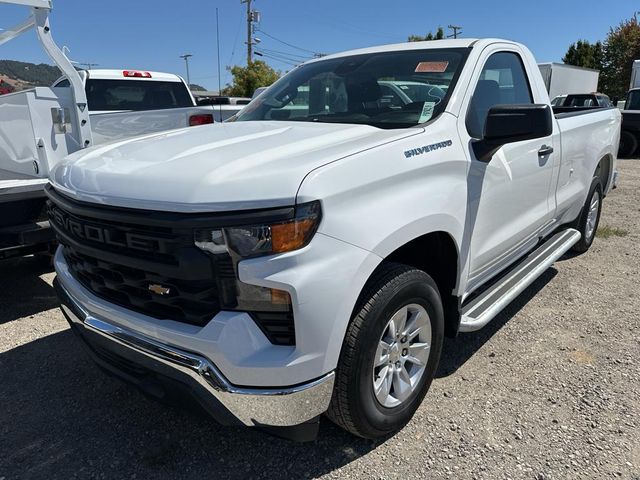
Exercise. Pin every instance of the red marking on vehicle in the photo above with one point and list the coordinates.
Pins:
(136, 73)
(432, 67)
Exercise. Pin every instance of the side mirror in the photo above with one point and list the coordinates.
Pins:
(513, 123)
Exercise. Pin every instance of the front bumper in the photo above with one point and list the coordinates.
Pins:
(153, 366)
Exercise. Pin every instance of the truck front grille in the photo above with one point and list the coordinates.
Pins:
(189, 301)
(151, 269)
(148, 262)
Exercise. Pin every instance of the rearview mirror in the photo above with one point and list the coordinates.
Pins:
(512, 123)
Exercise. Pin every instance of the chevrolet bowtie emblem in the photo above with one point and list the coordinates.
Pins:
(159, 289)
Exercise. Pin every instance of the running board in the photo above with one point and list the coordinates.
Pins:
(484, 308)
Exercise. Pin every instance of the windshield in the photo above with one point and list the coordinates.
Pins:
(385, 90)
(633, 100)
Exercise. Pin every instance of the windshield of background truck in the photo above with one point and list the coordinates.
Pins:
(136, 95)
(385, 90)
(633, 100)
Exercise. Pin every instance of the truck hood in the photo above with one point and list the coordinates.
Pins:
(225, 166)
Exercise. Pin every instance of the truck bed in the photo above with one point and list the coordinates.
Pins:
(16, 186)
(564, 112)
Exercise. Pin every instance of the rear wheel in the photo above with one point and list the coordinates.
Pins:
(589, 219)
(390, 352)
(628, 144)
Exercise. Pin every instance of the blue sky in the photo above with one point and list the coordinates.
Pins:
(151, 35)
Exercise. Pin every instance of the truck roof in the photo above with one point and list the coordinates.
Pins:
(113, 74)
(450, 43)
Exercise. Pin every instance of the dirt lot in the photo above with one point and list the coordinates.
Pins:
(549, 390)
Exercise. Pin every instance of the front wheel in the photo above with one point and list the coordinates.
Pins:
(390, 352)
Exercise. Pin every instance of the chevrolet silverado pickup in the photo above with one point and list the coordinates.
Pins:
(310, 256)
(40, 126)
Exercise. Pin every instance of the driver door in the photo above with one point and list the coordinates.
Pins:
(509, 197)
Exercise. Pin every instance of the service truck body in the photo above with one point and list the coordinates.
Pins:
(562, 79)
(40, 126)
(247, 260)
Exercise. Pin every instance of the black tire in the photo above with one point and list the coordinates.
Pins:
(354, 405)
(628, 144)
(581, 223)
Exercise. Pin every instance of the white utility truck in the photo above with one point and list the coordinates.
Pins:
(39, 127)
(563, 79)
(310, 256)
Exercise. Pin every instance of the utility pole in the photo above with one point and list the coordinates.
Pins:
(249, 33)
(455, 29)
(253, 17)
(186, 57)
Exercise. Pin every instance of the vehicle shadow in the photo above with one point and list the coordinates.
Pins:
(22, 291)
(62, 417)
(455, 352)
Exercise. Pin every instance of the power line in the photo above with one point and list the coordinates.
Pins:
(289, 44)
(279, 59)
(292, 55)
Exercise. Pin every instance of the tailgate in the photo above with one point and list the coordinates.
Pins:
(107, 127)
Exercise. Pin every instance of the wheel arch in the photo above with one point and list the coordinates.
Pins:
(438, 254)
(604, 170)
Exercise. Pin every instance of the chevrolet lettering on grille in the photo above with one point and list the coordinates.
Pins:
(116, 237)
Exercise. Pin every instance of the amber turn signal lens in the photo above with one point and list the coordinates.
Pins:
(293, 235)
(280, 297)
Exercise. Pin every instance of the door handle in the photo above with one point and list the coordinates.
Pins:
(545, 150)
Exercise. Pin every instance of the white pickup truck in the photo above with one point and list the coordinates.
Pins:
(310, 256)
(128, 103)
(39, 127)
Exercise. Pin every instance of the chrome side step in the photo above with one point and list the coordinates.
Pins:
(484, 308)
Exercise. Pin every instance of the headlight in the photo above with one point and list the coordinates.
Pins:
(270, 308)
(256, 240)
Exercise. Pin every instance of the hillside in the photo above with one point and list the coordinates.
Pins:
(21, 75)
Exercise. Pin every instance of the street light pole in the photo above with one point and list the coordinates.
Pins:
(186, 57)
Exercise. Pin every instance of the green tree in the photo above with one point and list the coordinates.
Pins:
(429, 36)
(585, 54)
(622, 47)
(247, 79)
(40, 75)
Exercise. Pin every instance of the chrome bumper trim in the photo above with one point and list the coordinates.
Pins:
(278, 407)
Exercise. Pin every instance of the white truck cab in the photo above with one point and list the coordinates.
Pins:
(311, 255)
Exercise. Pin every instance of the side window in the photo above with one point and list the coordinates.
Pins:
(503, 81)
(63, 84)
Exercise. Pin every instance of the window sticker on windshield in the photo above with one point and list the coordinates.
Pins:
(432, 67)
(427, 112)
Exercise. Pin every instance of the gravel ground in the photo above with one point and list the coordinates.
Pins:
(549, 390)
